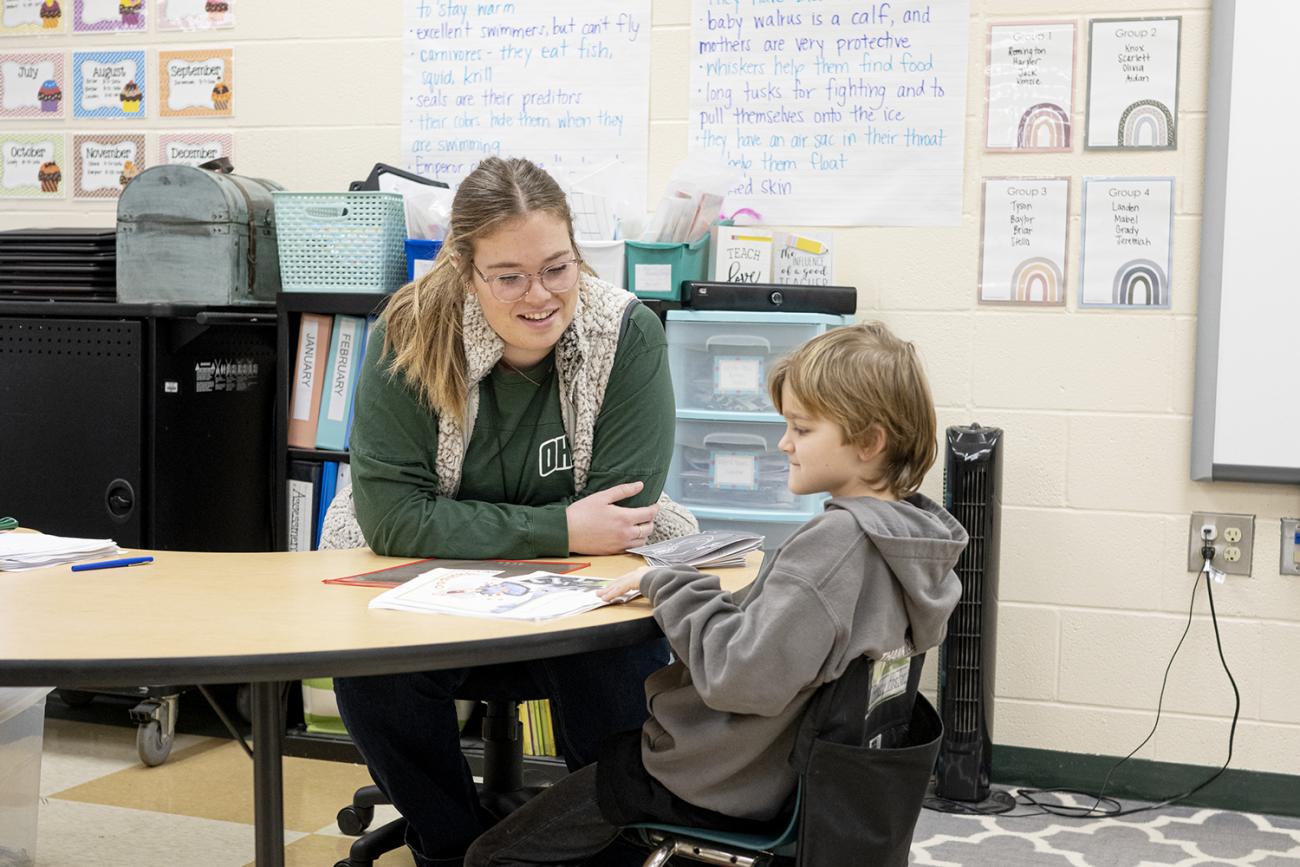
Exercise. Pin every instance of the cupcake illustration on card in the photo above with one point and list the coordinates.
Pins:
(129, 171)
(131, 96)
(49, 175)
(221, 96)
(51, 14)
(130, 11)
(216, 10)
(49, 95)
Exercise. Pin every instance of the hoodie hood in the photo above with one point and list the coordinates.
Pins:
(920, 542)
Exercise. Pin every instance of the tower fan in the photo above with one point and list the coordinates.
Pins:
(972, 492)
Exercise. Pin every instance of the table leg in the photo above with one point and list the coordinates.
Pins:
(268, 780)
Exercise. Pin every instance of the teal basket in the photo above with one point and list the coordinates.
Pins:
(341, 242)
(656, 270)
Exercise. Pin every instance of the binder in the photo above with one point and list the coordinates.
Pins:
(329, 474)
(303, 493)
(371, 321)
(344, 363)
(308, 380)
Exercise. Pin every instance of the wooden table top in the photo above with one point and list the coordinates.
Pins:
(196, 617)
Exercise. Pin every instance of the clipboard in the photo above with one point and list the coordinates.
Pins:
(395, 576)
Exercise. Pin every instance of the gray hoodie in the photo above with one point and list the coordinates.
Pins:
(865, 577)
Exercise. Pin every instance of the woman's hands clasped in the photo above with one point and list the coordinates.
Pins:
(597, 526)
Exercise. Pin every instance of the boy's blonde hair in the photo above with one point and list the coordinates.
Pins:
(859, 376)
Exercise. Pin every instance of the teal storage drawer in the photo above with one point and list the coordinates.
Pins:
(656, 270)
(720, 359)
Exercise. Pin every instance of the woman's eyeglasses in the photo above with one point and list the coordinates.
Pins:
(557, 278)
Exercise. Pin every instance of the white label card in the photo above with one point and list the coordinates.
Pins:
(656, 279)
(732, 375)
(735, 472)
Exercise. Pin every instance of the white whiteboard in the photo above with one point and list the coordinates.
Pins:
(1246, 421)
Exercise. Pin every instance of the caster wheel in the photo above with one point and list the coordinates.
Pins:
(152, 744)
(353, 821)
(76, 697)
(344, 863)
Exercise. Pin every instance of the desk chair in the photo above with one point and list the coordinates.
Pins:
(862, 780)
(503, 744)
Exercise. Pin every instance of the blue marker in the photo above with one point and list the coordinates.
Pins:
(112, 564)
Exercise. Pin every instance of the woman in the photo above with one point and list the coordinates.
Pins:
(519, 408)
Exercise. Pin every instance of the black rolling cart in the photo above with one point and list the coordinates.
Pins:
(150, 424)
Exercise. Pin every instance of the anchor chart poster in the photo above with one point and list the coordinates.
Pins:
(1023, 251)
(1031, 87)
(1133, 83)
(1127, 242)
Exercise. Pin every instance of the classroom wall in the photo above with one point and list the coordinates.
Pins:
(1094, 587)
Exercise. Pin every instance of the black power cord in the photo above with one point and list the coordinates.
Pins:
(1002, 803)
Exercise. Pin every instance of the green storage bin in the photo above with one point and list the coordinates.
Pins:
(656, 270)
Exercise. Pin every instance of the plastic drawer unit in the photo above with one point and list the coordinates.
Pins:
(733, 464)
(720, 359)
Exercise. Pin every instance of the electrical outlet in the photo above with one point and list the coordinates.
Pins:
(1233, 540)
(1290, 564)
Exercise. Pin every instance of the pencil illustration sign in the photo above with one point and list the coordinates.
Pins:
(1133, 83)
(1031, 86)
(1127, 242)
(196, 83)
(18, 17)
(31, 166)
(31, 85)
(103, 164)
(1023, 252)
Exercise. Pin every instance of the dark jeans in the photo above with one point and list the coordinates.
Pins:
(405, 727)
(561, 826)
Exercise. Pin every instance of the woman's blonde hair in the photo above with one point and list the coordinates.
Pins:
(423, 318)
(861, 376)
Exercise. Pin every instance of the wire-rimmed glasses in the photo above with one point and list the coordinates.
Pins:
(556, 279)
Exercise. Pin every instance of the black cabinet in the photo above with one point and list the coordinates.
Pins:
(151, 424)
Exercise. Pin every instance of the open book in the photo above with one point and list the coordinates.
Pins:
(478, 593)
(708, 549)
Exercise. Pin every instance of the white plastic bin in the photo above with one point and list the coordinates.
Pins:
(733, 464)
(720, 359)
(22, 729)
(607, 258)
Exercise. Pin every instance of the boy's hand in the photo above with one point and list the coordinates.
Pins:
(621, 586)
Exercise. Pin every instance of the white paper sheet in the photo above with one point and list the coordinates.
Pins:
(1127, 242)
(1031, 86)
(839, 112)
(565, 84)
(1133, 83)
(1025, 225)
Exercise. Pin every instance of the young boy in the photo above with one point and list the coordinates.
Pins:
(871, 575)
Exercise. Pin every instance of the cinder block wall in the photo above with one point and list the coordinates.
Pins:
(1094, 589)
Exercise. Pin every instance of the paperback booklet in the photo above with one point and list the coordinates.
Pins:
(478, 593)
(708, 549)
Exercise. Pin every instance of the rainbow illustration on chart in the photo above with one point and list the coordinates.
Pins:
(1045, 125)
(1038, 280)
(1141, 282)
(1146, 123)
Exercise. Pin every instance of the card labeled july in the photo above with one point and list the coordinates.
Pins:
(1133, 82)
(193, 149)
(196, 83)
(31, 166)
(103, 16)
(104, 164)
(31, 84)
(1022, 260)
(194, 14)
(1127, 242)
(109, 84)
(1031, 86)
(22, 17)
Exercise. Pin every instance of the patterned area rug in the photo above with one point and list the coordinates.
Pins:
(1175, 836)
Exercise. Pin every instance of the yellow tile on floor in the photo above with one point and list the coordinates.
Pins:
(319, 851)
(215, 781)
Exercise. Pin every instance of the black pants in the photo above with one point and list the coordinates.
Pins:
(405, 727)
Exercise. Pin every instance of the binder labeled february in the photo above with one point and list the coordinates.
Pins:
(342, 369)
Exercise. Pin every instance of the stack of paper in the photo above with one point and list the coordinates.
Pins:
(476, 593)
(21, 551)
(709, 549)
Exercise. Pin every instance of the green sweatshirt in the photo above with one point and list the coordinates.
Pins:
(518, 471)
